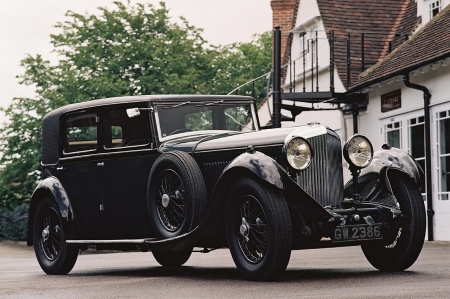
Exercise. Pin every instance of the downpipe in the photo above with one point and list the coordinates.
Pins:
(426, 108)
(276, 78)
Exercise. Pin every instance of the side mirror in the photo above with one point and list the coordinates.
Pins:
(132, 112)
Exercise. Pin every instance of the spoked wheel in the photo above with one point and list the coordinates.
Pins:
(253, 233)
(171, 208)
(404, 237)
(258, 229)
(172, 258)
(52, 252)
(176, 195)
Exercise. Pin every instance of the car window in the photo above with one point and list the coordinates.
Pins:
(81, 133)
(199, 116)
(122, 131)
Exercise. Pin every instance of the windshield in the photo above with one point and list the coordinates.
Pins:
(177, 118)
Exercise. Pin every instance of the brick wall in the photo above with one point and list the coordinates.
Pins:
(284, 14)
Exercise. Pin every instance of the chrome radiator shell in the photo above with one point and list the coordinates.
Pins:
(323, 179)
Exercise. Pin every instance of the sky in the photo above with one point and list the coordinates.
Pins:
(26, 25)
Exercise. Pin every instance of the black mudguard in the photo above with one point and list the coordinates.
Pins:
(373, 182)
(52, 186)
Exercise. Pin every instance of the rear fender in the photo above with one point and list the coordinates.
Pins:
(52, 187)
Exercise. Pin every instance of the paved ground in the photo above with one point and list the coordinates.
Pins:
(319, 273)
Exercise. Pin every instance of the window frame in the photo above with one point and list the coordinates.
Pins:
(63, 133)
(104, 129)
(431, 7)
(158, 105)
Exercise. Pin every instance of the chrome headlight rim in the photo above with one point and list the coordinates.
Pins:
(346, 154)
(285, 148)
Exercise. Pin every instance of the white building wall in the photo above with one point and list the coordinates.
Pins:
(371, 125)
(308, 19)
(423, 9)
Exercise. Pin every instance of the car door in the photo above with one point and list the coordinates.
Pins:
(128, 155)
(78, 170)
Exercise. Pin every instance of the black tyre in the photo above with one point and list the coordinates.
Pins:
(258, 227)
(176, 195)
(171, 258)
(52, 252)
(404, 238)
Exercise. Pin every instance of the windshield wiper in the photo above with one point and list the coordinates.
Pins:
(210, 103)
(178, 105)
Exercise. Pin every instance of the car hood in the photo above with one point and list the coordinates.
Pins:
(207, 141)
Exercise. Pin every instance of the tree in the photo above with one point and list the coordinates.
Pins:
(238, 63)
(128, 50)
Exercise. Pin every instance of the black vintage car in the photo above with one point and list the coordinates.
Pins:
(168, 174)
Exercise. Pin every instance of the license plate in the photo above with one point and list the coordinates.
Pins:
(357, 232)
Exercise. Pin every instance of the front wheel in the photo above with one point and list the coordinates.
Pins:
(404, 239)
(258, 228)
(52, 252)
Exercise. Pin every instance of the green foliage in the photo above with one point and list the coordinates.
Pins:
(13, 223)
(128, 50)
(239, 63)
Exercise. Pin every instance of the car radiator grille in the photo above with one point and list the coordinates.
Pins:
(323, 179)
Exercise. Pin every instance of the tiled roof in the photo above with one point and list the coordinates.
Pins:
(429, 44)
(380, 20)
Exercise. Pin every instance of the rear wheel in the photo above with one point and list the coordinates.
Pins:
(52, 252)
(258, 229)
(171, 258)
(404, 238)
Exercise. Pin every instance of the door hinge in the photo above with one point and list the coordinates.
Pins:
(97, 119)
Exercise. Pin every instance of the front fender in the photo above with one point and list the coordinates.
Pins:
(51, 187)
(260, 165)
(395, 158)
(375, 176)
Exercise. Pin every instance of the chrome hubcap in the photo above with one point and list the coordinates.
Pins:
(165, 200)
(244, 229)
(46, 233)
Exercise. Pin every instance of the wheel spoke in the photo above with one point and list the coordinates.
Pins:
(173, 215)
(253, 243)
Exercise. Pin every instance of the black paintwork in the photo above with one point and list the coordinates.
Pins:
(107, 189)
(51, 186)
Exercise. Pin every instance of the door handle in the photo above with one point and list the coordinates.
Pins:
(60, 168)
(101, 164)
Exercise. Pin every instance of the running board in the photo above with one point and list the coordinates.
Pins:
(187, 240)
(147, 241)
(124, 241)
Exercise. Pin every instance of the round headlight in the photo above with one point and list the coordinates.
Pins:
(358, 151)
(298, 153)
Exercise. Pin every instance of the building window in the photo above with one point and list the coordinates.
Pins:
(407, 132)
(435, 7)
(393, 133)
(416, 140)
(443, 126)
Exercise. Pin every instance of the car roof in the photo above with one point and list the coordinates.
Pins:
(141, 98)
